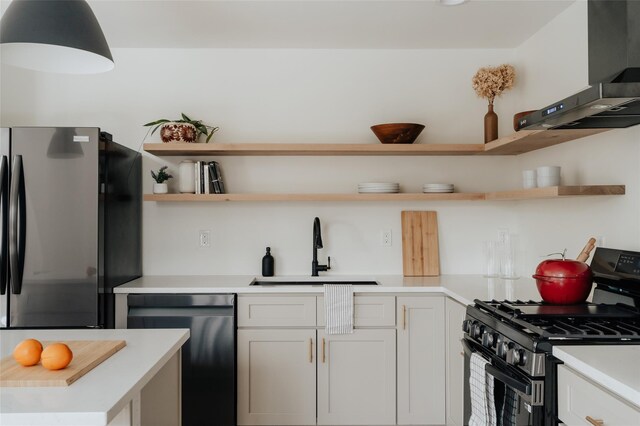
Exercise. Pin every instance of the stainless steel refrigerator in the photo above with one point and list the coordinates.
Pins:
(70, 226)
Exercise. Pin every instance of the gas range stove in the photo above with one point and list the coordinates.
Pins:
(522, 332)
(516, 338)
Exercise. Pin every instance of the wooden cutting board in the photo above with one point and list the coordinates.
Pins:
(420, 252)
(87, 354)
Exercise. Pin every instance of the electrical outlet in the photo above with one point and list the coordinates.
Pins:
(386, 238)
(204, 238)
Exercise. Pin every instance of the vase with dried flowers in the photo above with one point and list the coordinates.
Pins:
(490, 82)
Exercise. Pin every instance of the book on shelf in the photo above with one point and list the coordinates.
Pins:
(196, 170)
(206, 181)
(203, 181)
(215, 177)
(208, 178)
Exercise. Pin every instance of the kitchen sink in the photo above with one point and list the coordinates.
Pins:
(310, 282)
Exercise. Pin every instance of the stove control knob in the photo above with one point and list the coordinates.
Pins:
(488, 339)
(517, 357)
(502, 348)
(466, 325)
(477, 330)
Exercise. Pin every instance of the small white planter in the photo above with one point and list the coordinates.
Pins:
(160, 188)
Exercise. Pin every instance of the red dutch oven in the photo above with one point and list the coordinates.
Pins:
(563, 281)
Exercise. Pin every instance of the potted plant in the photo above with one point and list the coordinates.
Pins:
(182, 130)
(160, 187)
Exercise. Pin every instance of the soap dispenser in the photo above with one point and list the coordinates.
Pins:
(267, 264)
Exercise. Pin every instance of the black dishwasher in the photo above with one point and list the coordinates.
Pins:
(208, 357)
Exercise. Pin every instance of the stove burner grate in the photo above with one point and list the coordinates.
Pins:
(584, 321)
(580, 327)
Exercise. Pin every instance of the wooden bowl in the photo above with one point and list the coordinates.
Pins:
(397, 132)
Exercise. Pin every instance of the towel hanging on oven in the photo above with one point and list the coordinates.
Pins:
(483, 411)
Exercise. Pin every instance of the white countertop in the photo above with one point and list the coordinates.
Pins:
(613, 367)
(463, 288)
(98, 396)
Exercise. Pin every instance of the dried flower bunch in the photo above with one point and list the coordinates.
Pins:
(490, 82)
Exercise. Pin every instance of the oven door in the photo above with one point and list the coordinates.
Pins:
(518, 398)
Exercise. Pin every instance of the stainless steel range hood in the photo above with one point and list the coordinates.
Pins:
(613, 98)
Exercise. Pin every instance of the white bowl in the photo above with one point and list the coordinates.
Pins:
(548, 171)
(545, 181)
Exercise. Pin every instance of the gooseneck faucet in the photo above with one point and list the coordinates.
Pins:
(317, 244)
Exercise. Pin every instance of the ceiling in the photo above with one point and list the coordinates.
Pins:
(362, 24)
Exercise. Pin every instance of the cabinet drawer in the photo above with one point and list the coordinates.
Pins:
(368, 311)
(579, 398)
(275, 311)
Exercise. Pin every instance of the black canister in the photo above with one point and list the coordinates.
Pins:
(267, 264)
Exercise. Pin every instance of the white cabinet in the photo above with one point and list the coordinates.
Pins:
(421, 360)
(357, 378)
(276, 311)
(368, 311)
(277, 377)
(454, 316)
(392, 371)
(582, 402)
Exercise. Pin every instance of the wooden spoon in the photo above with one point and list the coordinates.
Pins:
(584, 254)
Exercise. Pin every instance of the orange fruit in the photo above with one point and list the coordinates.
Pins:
(56, 356)
(28, 352)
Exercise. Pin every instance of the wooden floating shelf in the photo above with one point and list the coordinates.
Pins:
(556, 192)
(458, 196)
(282, 149)
(531, 140)
(524, 194)
(517, 143)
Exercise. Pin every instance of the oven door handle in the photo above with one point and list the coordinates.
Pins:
(512, 382)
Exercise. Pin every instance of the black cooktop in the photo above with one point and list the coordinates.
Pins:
(583, 327)
(581, 321)
(531, 309)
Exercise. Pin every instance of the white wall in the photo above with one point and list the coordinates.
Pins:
(555, 65)
(333, 96)
(291, 96)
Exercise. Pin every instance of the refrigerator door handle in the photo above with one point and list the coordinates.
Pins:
(17, 225)
(4, 212)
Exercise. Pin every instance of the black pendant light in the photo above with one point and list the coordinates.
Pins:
(61, 36)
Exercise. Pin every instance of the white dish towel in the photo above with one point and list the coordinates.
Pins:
(483, 411)
(338, 308)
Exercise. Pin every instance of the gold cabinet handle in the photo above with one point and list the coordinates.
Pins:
(404, 317)
(323, 346)
(310, 350)
(594, 422)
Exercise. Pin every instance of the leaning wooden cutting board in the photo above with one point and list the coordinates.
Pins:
(420, 252)
(87, 354)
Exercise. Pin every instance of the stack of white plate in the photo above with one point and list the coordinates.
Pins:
(437, 187)
(378, 187)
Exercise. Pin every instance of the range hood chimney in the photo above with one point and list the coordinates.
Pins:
(613, 98)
